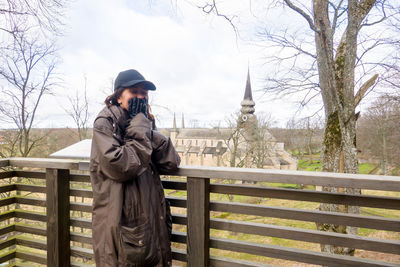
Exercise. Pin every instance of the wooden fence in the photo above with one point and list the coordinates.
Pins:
(52, 231)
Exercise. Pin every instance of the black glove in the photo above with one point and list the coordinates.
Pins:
(136, 106)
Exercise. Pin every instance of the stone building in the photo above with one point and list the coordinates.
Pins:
(236, 146)
(246, 144)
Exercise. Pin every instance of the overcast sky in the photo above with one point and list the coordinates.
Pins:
(195, 60)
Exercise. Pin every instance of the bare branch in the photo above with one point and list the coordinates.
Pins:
(213, 9)
(303, 14)
(364, 88)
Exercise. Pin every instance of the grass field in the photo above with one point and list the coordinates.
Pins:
(303, 165)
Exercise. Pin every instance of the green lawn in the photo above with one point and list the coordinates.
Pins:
(303, 165)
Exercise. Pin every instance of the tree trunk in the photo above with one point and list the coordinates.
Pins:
(337, 87)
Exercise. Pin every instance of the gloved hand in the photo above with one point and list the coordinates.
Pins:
(136, 106)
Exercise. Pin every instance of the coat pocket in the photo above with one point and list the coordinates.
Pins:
(136, 245)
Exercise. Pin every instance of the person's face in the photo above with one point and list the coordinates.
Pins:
(129, 93)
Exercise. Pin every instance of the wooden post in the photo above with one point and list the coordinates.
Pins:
(57, 199)
(198, 222)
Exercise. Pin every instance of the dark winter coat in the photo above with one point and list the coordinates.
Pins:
(131, 219)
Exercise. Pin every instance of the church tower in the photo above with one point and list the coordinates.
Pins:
(174, 131)
(247, 119)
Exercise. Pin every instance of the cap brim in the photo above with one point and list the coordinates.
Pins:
(147, 84)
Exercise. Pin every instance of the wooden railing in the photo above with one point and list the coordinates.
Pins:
(55, 235)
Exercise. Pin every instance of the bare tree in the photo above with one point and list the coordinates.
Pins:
(28, 72)
(234, 141)
(336, 65)
(27, 63)
(79, 110)
(9, 143)
(22, 15)
(249, 149)
(262, 145)
(378, 132)
(309, 128)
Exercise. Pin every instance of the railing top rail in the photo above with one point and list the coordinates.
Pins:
(364, 181)
(44, 163)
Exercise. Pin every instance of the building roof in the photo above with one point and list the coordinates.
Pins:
(204, 133)
(80, 150)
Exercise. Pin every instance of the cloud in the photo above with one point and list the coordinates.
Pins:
(195, 61)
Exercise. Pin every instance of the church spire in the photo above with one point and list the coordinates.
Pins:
(183, 121)
(248, 103)
(247, 93)
(174, 124)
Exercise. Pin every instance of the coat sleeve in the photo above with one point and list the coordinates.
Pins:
(123, 162)
(164, 155)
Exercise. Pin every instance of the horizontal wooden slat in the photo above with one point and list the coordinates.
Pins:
(7, 201)
(20, 264)
(30, 229)
(179, 237)
(7, 188)
(30, 215)
(79, 222)
(31, 188)
(41, 259)
(30, 174)
(171, 184)
(31, 201)
(87, 223)
(374, 182)
(177, 202)
(226, 262)
(179, 254)
(79, 264)
(179, 219)
(308, 195)
(372, 222)
(81, 193)
(6, 256)
(8, 243)
(82, 238)
(7, 215)
(354, 241)
(82, 253)
(32, 243)
(83, 178)
(22, 187)
(6, 174)
(85, 207)
(292, 254)
(7, 229)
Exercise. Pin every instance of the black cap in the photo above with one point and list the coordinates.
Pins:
(129, 78)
